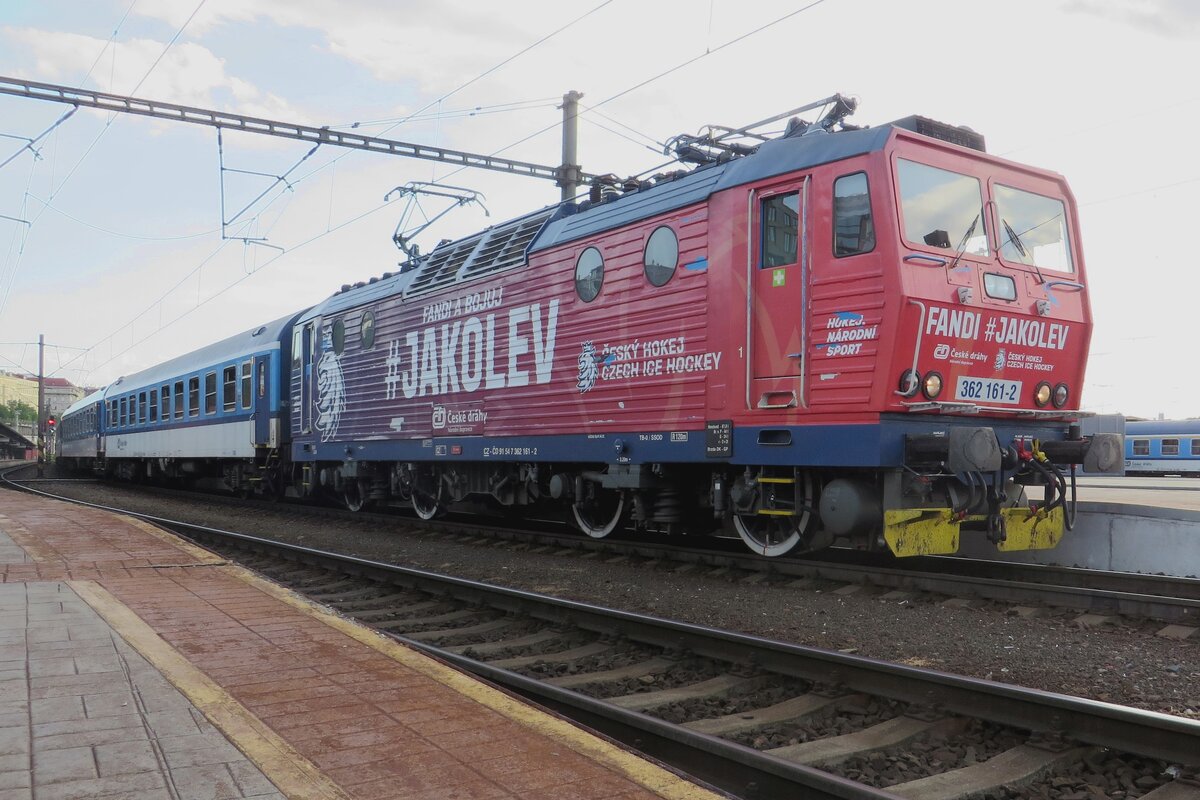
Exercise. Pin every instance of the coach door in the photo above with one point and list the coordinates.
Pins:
(777, 278)
(262, 402)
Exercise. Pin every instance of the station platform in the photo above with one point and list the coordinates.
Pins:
(133, 664)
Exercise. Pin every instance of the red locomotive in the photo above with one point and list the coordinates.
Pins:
(874, 336)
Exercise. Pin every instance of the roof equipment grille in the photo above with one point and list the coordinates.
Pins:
(485, 253)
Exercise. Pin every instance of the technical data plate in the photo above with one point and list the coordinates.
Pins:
(718, 439)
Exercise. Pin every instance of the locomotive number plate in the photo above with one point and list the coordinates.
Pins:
(988, 390)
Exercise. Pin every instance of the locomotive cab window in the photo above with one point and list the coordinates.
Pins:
(1033, 229)
(780, 230)
(366, 330)
(661, 256)
(853, 223)
(941, 209)
(1141, 447)
(339, 336)
(589, 274)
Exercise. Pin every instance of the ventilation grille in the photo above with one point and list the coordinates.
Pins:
(485, 253)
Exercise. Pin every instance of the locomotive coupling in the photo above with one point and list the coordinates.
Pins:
(1100, 453)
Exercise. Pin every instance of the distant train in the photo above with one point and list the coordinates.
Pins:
(1162, 447)
(875, 336)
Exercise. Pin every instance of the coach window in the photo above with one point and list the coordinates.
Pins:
(1141, 447)
(247, 372)
(661, 256)
(112, 413)
(262, 379)
(141, 406)
(1170, 447)
(153, 405)
(165, 396)
(853, 224)
(229, 389)
(1196, 447)
(193, 396)
(366, 330)
(210, 393)
(780, 230)
(339, 336)
(178, 399)
(123, 418)
(589, 274)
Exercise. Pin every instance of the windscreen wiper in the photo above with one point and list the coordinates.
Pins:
(1015, 238)
(962, 245)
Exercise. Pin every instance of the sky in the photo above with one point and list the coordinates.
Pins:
(111, 237)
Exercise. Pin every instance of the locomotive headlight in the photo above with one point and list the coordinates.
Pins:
(910, 383)
(932, 386)
(1061, 394)
(1041, 394)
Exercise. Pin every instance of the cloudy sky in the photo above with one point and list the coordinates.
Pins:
(111, 229)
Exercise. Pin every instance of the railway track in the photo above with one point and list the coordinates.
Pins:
(1171, 600)
(757, 717)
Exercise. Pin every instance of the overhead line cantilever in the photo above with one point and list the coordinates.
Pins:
(220, 119)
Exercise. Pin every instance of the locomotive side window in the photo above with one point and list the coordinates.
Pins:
(297, 348)
(853, 223)
(247, 372)
(1141, 447)
(339, 336)
(589, 274)
(229, 389)
(941, 208)
(210, 393)
(1033, 229)
(780, 230)
(661, 256)
(193, 396)
(178, 399)
(366, 330)
(1170, 447)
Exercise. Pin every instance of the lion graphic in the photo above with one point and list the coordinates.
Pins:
(331, 395)
(588, 371)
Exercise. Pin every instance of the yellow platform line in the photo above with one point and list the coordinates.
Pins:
(637, 769)
(293, 774)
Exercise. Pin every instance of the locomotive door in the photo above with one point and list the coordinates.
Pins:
(777, 279)
(262, 402)
(306, 379)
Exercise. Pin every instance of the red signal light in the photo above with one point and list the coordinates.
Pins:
(51, 422)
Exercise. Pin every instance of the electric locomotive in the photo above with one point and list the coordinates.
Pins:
(873, 336)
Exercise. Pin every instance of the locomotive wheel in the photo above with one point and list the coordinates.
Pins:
(355, 496)
(774, 535)
(427, 505)
(601, 515)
